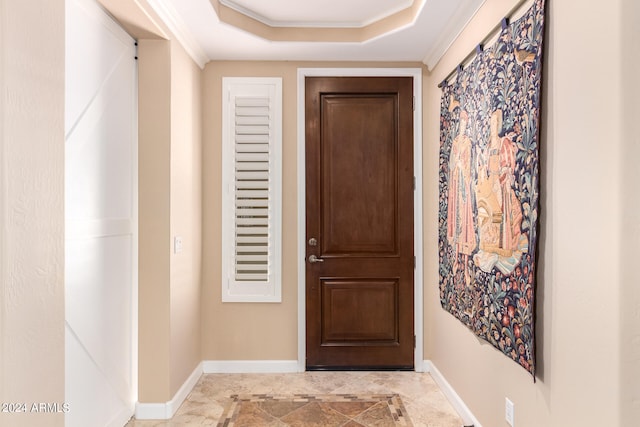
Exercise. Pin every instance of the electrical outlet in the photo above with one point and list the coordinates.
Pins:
(508, 411)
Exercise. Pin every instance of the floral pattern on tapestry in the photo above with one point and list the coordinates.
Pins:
(488, 188)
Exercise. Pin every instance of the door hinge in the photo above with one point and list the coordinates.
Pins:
(414, 103)
(414, 341)
(414, 262)
(414, 183)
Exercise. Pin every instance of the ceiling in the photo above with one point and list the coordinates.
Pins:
(316, 30)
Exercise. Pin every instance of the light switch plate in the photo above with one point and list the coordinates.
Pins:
(177, 244)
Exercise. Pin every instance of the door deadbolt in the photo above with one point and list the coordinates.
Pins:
(313, 242)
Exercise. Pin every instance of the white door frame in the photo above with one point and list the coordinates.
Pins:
(416, 73)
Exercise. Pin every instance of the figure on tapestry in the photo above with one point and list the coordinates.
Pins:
(502, 242)
(461, 232)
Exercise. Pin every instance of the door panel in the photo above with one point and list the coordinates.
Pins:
(358, 134)
(100, 216)
(359, 222)
(346, 312)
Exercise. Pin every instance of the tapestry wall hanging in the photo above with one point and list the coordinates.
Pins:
(488, 188)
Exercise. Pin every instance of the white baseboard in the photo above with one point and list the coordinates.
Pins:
(165, 411)
(249, 366)
(453, 397)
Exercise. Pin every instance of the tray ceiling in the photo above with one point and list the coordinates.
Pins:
(316, 30)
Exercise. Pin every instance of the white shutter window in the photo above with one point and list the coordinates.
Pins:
(252, 195)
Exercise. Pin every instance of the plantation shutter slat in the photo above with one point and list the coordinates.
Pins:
(252, 148)
(252, 203)
(251, 211)
(252, 239)
(252, 175)
(254, 221)
(252, 129)
(244, 157)
(252, 120)
(254, 185)
(249, 277)
(252, 166)
(247, 101)
(249, 248)
(250, 139)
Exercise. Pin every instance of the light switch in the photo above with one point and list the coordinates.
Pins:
(177, 244)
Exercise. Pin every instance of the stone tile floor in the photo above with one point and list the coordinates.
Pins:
(301, 410)
(423, 400)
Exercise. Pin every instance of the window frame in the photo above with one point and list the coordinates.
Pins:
(269, 290)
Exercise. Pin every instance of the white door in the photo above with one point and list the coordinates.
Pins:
(101, 218)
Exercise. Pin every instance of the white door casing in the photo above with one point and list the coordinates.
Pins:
(101, 218)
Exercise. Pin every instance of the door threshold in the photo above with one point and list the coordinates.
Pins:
(360, 368)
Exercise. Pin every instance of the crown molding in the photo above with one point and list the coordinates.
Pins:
(456, 24)
(179, 29)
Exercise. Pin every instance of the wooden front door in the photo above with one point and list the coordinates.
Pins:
(359, 223)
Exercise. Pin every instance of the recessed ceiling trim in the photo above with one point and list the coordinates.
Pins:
(402, 5)
(394, 23)
(390, 24)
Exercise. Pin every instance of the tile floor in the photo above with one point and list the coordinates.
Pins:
(299, 410)
(423, 400)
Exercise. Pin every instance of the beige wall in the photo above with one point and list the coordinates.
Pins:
(154, 243)
(250, 331)
(169, 204)
(32, 207)
(186, 212)
(584, 207)
(630, 224)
